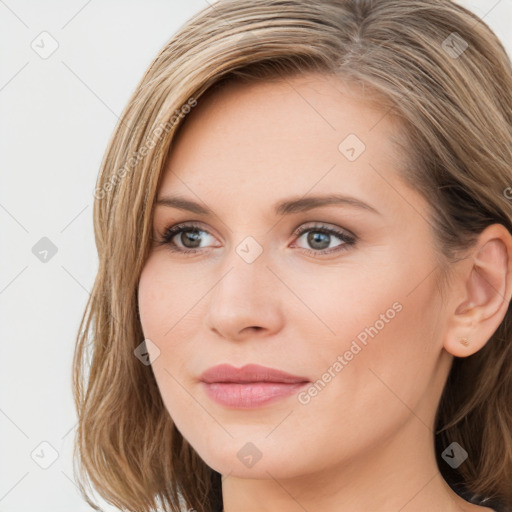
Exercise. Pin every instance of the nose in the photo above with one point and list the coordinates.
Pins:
(245, 302)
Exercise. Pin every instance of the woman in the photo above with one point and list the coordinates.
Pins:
(303, 223)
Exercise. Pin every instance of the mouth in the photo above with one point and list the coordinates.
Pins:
(250, 386)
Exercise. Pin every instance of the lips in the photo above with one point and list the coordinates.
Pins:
(248, 373)
(250, 386)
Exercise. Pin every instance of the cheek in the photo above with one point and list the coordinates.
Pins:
(161, 298)
(385, 353)
(387, 330)
(148, 300)
(384, 373)
(165, 316)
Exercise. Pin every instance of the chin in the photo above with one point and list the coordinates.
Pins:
(259, 459)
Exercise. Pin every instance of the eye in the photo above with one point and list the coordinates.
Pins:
(190, 238)
(319, 237)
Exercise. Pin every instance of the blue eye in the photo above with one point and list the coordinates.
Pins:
(318, 236)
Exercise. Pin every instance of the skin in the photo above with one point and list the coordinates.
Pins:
(365, 441)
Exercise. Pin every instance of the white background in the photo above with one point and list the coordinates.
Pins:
(56, 117)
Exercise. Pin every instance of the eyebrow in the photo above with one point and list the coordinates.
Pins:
(285, 207)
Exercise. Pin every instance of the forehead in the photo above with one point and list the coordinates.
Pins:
(270, 139)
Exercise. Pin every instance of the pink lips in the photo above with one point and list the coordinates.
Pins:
(250, 386)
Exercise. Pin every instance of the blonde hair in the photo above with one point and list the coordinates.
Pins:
(454, 104)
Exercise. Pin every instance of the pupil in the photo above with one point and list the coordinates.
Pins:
(315, 238)
(192, 236)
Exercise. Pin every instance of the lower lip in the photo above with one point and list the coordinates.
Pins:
(250, 395)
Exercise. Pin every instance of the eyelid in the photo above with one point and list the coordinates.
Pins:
(305, 226)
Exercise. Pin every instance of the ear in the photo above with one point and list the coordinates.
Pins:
(483, 290)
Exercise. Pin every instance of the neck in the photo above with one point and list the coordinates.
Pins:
(400, 474)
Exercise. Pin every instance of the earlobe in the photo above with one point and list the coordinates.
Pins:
(487, 288)
(466, 341)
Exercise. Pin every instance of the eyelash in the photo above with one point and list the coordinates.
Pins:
(348, 239)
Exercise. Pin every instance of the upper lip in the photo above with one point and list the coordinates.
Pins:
(247, 374)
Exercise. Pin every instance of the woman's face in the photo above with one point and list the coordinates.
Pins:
(349, 306)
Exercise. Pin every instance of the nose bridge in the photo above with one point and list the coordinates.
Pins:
(245, 295)
(246, 277)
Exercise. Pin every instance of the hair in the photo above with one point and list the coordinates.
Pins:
(454, 107)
